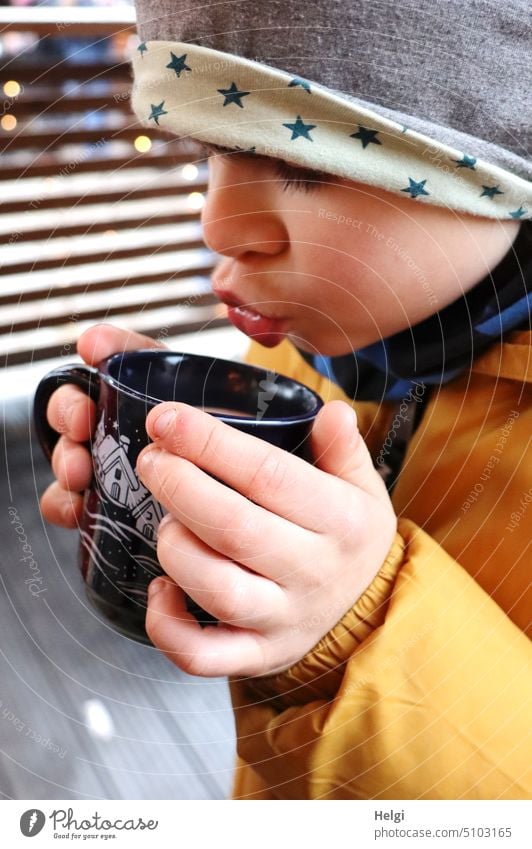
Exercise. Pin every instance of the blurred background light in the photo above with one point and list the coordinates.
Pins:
(189, 172)
(8, 122)
(12, 88)
(195, 200)
(98, 719)
(142, 144)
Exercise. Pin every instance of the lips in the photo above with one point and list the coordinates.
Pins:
(267, 330)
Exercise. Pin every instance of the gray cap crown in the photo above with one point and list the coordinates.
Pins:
(458, 72)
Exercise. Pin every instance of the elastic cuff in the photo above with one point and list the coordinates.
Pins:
(319, 672)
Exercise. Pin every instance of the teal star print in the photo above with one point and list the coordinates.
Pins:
(518, 213)
(415, 189)
(178, 64)
(300, 129)
(303, 83)
(157, 111)
(490, 191)
(232, 95)
(142, 49)
(466, 162)
(366, 136)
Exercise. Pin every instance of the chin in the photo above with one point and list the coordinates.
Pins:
(327, 349)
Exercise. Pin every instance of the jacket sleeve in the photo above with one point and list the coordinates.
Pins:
(420, 691)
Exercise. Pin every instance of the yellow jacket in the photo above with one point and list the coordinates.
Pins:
(423, 689)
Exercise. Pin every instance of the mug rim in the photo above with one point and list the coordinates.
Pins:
(103, 369)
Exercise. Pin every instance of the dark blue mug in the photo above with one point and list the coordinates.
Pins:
(118, 551)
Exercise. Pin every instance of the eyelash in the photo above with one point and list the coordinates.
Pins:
(293, 177)
(298, 178)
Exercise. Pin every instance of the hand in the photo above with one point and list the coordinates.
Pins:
(72, 413)
(278, 555)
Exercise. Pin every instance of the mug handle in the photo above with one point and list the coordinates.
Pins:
(86, 377)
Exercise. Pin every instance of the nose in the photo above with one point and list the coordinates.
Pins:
(240, 215)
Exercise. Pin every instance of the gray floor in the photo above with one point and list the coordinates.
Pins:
(155, 733)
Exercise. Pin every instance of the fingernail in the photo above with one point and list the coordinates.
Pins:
(352, 423)
(167, 518)
(163, 422)
(147, 457)
(155, 587)
(66, 512)
(69, 414)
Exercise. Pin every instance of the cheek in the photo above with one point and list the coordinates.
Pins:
(341, 266)
(348, 270)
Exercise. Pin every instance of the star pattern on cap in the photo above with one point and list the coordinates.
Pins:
(366, 136)
(466, 162)
(157, 111)
(490, 191)
(177, 64)
(232, 95)
(299, 81)
(415, 189)
(299, 128)
(381, 160)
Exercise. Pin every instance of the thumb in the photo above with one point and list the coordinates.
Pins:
(103, 340)
(338, 448)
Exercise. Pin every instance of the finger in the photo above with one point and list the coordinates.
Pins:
(72, 465)
(61, 507)
(341, 451)
(275, 479)
(210, 651)
(71, 411)
(103, 340)
(221, 587)
(224, 519)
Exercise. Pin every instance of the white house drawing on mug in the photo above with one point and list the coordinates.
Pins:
(120, 483)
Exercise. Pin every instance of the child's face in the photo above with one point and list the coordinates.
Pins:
(340, 264)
